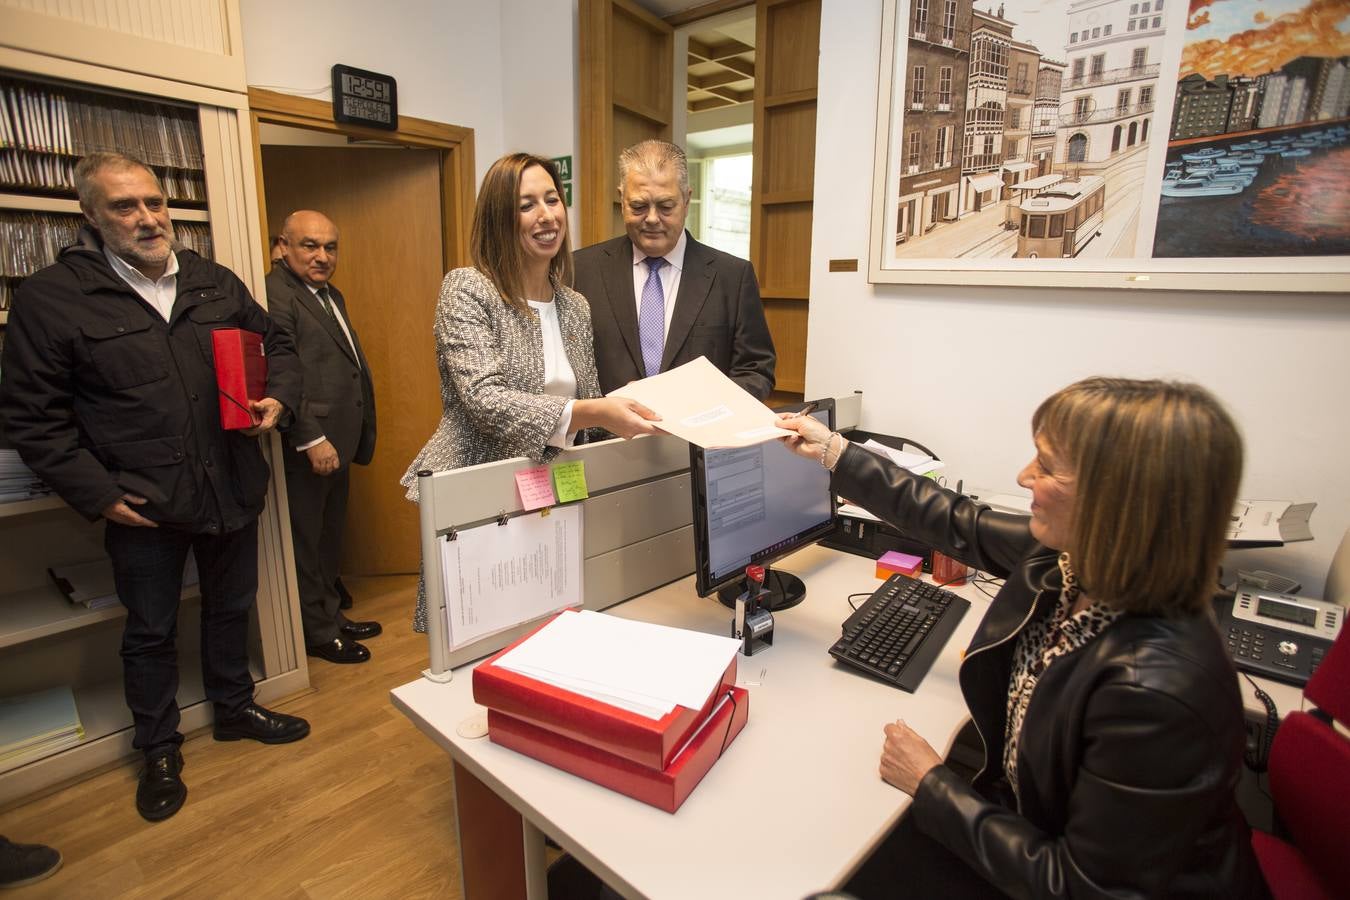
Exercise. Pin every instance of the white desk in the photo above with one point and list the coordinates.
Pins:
(793, 807)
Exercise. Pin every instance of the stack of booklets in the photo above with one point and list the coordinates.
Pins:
(34, 725)
(91, 584)
(642, 709)
(17, 481)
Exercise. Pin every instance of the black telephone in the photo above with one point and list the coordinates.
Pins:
(1277, 636)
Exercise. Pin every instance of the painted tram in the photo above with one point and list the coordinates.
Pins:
(1059, 221)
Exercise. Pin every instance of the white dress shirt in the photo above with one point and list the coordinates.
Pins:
(669, 275)
(559, 378)
(159, 293)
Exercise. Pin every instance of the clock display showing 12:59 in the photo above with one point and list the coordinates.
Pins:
(364, 98)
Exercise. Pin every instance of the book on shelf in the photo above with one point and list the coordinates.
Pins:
(91, 584)
(17, 481)
(37, 724)
(46, 126)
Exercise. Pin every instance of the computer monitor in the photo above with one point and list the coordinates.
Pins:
(755, 505)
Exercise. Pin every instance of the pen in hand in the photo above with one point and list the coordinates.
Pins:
(807, 409)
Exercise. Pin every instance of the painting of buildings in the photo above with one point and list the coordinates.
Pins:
(1023, 128)
(1258, 160)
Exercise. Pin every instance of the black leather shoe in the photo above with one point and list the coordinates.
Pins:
(259, 724)
(161, 791)
(361, 631)
(340, 650)
(344, 598)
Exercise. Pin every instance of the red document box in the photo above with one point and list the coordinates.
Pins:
(241, 375)
(647, 742)
(664, 788)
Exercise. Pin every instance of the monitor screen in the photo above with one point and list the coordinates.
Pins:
(754, 505)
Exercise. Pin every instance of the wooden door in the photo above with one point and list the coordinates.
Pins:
(787, 50)
(387, 206)
(626, 64)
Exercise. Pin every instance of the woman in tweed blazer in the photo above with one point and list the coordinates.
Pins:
(513, 340)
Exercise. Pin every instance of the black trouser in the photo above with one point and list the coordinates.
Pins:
(148, 572)
(318, 506)
(909, 863)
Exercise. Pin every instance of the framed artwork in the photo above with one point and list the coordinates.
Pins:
(1114, 143)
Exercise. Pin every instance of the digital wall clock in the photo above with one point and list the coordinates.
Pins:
(364, 98)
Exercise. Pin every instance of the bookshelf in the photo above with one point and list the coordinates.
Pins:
(42, 612)
(24, 507)
(183, 109)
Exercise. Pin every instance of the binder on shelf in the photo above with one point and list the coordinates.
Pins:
(665, 788)
(34, 725)
(650, 743)
(241, 375)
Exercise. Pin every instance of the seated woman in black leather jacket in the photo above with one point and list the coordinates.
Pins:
(1107, 704)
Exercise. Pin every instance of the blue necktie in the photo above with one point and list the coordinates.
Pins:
(652, 317)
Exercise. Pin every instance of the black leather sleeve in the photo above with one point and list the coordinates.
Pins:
(956, 525)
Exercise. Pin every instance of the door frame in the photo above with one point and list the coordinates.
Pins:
(453, 142)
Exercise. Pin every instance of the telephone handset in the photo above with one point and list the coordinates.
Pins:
(1278, 636)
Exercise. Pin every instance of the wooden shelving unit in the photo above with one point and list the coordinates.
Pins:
(42, 612)
(24, 507)
(41, 203)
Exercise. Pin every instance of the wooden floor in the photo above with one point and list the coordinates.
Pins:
(363, 807)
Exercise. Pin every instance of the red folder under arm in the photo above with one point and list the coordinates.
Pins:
(241, 375)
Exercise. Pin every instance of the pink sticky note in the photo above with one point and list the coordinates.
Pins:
(536, 487)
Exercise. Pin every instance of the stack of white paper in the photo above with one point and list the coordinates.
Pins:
(17, 481)
(34, 725)
(918, 463)
(644, 668)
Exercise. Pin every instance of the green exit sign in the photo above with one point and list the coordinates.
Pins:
(564, 164)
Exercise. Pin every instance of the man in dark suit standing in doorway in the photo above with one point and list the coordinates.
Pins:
(658, 297)
(334, 427)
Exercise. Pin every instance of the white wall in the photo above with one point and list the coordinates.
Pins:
(445, 54)
(962, 368)
(506, 69)
(539, 83)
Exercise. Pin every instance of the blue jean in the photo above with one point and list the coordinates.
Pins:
(148, 572)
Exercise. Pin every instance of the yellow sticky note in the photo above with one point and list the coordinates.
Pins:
(569, 480)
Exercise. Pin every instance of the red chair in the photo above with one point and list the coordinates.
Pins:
(1310, 784)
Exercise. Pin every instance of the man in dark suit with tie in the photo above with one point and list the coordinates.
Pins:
(658, 297)
(334, 427)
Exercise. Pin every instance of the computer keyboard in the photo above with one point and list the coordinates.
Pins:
(898, 632)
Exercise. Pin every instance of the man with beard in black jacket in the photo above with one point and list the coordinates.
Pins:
(109, 395)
